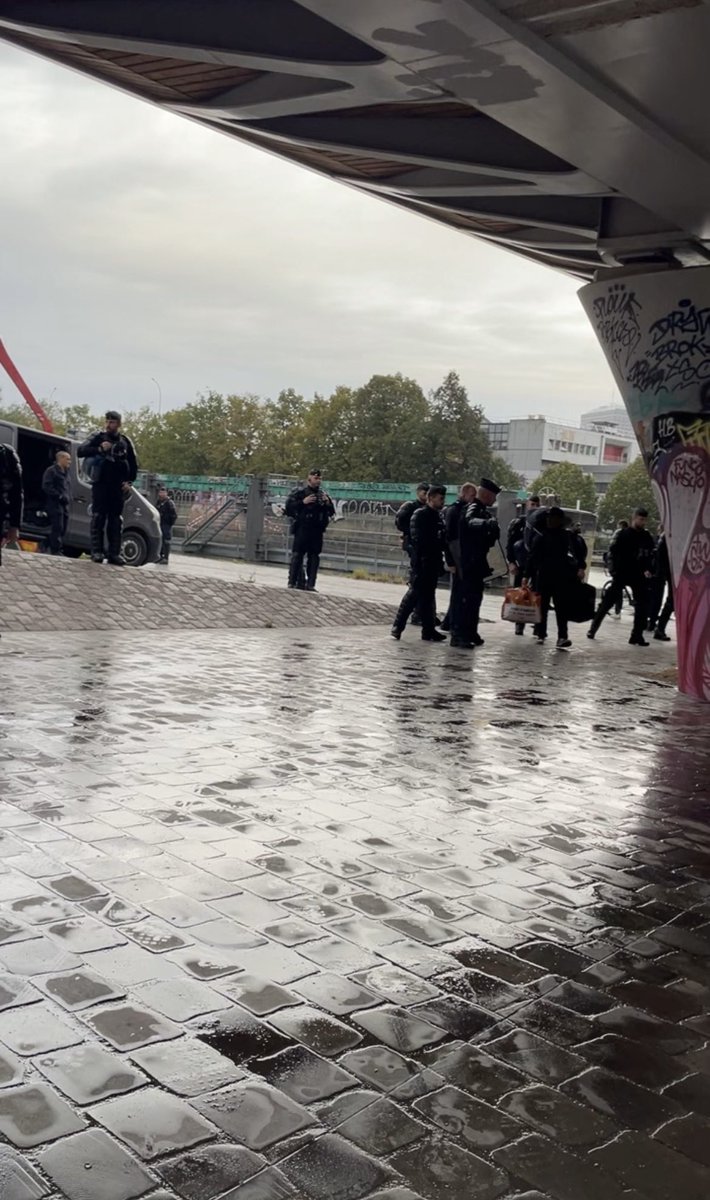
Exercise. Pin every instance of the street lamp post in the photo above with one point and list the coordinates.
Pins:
(160, 395)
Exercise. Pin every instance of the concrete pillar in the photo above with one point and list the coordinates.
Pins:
(655, 331)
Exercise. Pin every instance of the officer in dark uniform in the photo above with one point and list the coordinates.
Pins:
(479, 532)
(662, 580)
(11, 496)
(113, 469)
(631, 559)
(403, 521)
(311, 510)
(427, 537)
(453, 516)
(168, 516)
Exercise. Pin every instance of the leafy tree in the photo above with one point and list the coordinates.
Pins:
(570, 483)
(281, 434)
(630, 489)
(458, 446)
(389, 422)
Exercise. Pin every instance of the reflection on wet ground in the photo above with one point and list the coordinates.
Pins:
(321, 917)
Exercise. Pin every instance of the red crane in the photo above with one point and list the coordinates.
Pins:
(8, 364)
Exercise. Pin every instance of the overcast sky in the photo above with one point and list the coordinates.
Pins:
(136, 245)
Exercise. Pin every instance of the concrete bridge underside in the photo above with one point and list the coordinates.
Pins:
(571, 132)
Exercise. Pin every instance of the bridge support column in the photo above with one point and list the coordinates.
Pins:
(655, 331)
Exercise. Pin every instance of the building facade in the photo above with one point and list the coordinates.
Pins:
(530, 444)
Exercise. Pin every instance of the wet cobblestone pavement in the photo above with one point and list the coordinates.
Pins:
(317, 916)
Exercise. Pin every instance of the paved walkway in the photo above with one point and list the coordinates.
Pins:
(319, 916)
(39, 593)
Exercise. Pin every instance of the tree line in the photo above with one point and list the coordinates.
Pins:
(386, 430)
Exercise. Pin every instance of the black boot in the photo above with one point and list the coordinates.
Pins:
(97, 538)
(433, 637)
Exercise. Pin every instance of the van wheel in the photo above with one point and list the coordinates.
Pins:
(72, 552)
(135, 548)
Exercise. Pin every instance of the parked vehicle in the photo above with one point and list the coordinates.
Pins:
(36, 450)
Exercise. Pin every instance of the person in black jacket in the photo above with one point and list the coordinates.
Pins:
(630, 561)
(516, 552)
(168, 516)
(453, 515)
(114, 468)
(11, 496)
(311, 510)
(478, 531)
(662, 579)
(557, 558)
(427, 535)
(57, 494)
(403, 520)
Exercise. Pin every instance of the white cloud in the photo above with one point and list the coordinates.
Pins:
(137, 244)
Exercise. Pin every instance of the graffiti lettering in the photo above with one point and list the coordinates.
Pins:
(697, 434)
(679, 353)
(687, 472)
(698, 559)
(616, 316)
(686, 318)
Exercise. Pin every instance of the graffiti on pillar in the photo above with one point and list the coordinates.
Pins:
(677, 351)
(680, 476)
(655, 331)
(617, 318)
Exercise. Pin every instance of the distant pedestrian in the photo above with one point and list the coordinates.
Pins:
(403, 521)
(56, 486)
(427, 536)
(516, 552)
(630, 561)
(620, 601)
(558, 559)
(310, 510)
(478, 532)
(168, 516)
(662, 580)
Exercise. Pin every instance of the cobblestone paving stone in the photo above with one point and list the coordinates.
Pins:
(311, 915)
(39, 592)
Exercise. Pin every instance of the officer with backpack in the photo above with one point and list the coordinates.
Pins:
(113, 468)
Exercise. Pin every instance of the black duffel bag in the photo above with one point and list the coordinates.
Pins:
(582, 603)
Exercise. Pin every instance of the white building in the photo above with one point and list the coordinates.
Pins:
(533, 443)
(609, 417)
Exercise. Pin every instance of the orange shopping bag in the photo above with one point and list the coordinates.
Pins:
(522, 606)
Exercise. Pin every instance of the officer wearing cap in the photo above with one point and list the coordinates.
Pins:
(311, 510)
(478, 533)
(113, 468)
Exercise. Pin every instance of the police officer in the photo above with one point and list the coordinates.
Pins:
(662, 580)
(516, 552)
(453, 517)
(427, 536)
(403, 521)
(479, 531)
(113, 470)
(311, 510)
(168, 516)
(631, 559)
(57, 494)
(11, 496)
